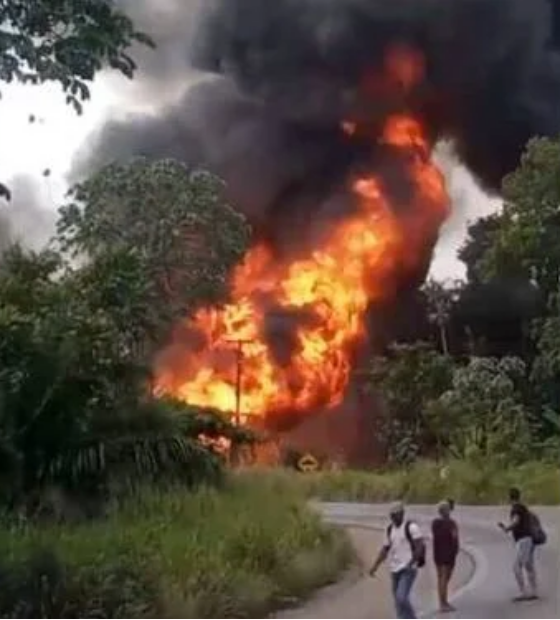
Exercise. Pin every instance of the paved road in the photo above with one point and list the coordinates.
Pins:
(489, 593)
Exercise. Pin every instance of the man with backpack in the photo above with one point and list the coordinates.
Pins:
(405, 550)
(527, 533)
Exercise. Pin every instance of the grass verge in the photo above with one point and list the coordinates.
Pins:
(467, 483)
(234, 553)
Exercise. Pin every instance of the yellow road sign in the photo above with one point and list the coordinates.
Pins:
(308, 463)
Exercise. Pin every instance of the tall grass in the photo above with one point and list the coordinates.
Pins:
(467, 483)
(235, 553)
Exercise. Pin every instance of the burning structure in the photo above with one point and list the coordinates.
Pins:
(322, 116)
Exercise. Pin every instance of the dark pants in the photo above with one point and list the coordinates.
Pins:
(403, 581)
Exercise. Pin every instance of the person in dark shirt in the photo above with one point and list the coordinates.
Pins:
(521, 531)
(445, 537)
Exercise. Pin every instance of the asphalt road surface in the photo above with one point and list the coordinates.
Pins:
(489, 592)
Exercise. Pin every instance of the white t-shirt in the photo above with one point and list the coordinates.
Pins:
(400, 550)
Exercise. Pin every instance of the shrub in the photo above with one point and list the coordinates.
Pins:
(234, 553)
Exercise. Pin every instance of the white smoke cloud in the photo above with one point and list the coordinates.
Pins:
(468, 203)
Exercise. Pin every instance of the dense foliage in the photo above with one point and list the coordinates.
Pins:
(65, 41)
(410, 377)
(497, 334)
(79, 325)
(173, 555)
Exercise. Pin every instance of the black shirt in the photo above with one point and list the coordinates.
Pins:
(523, 527)
(445, 535)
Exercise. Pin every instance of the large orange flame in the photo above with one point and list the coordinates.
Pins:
(353, 265)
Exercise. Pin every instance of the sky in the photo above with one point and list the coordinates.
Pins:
(58, 133)
(38, 155)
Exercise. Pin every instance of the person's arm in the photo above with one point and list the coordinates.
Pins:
(435, 533)
(456, 539)
(418, 544)
(381, 557)
(514, 522)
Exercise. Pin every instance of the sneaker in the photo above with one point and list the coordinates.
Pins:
(522, 598)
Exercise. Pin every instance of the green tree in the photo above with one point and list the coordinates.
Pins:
(176, 223)
(75, 403)
(65, 41)
(441, 297)
(409, 378)
(137, 246)
(546, 367)
(526, 242)
(484, 410)
(545, 378)
(480, 237)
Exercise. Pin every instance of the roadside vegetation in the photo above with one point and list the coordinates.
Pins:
(237, 552)
(469, 483)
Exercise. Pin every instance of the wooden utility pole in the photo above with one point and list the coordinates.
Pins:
(239, 375)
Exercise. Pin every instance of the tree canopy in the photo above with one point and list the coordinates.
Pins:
(172, 219)
(480, 236)
(409, 377)
(65, 41)
(483, 412)
(526, 241)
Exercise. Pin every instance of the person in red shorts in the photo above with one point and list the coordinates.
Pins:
(445, 537)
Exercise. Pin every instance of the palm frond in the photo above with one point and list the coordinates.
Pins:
(134, 459)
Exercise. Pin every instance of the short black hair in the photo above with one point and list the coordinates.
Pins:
(514, 494)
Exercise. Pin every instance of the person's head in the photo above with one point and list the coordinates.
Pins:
(514, 496)
(396, 513)
(444, 509)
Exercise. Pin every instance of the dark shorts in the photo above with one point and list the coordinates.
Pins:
(450, 567)
(445, 562)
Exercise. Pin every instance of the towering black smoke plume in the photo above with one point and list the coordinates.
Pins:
(282, 75)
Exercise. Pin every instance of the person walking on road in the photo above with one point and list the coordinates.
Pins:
(521, 529)
(406, 552)
(445, 538)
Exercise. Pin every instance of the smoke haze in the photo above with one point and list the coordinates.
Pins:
(24, 219)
